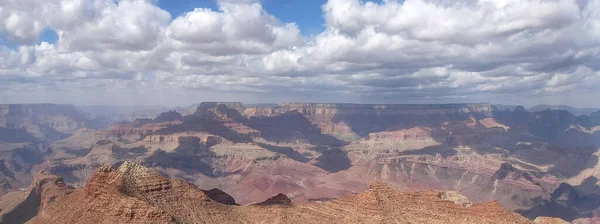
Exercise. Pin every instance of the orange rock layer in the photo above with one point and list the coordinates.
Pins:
(135, 194)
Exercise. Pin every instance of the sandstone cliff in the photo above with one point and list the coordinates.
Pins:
(131, 193)
(21, 206)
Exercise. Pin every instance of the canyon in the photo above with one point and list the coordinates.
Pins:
(287, 161)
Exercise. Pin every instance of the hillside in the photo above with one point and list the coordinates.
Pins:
(131, 193)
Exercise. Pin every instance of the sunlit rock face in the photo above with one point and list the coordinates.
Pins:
(140, 195)
(320, 152)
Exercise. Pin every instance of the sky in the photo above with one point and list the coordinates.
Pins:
(180, 52)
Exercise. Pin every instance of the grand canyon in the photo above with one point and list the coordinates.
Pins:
(296, 111)
(299, 162)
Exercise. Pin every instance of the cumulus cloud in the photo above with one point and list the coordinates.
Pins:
(236, 29)
(392, 51)
(484, 46)
(133, 25)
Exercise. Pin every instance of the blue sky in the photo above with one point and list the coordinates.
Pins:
(49, 36)
(306, 13)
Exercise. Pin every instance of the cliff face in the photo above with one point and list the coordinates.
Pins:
(135, 194)
(320, 152)
(17, 162)
(399, 140)
(46, 121)
(311, 109)
(44, 190)
(352, 121)
(63, 118)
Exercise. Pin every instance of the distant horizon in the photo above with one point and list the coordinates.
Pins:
(280, 103)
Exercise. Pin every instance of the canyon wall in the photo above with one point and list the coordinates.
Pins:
(320, 152)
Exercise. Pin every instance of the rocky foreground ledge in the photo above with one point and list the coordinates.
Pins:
(132, 193)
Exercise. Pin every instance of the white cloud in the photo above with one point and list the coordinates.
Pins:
(128, 25)
(236, 29)
(86, 24)
(410, 51)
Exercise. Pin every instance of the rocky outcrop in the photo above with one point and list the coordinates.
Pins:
(44, 190)
(456, 198)
(397, 140)
(549, 220)
(168, 116)
(220, 196)
(279, 199)
(212, 107)
(134, 194)
(566, 193)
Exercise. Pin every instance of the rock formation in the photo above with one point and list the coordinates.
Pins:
(131, 193)
(44, 190)
(49, 121)
(535, 163)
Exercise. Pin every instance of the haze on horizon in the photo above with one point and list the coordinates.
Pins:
(180, 52)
